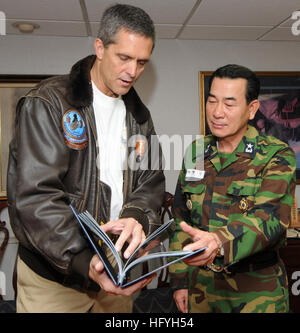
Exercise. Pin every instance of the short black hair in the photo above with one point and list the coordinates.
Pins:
(233, 71)
(131, 18)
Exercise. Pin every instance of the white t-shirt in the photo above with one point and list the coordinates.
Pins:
(110, 116)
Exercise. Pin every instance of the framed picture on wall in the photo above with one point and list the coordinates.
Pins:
(12, 87)
(279, 112)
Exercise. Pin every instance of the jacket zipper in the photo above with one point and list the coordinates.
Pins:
(90, 117)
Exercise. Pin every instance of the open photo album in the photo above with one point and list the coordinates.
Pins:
(149, 251)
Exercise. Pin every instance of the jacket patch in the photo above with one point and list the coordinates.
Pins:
(140, 147)
(74, 129)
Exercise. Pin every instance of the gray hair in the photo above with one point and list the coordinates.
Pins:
(128, 17)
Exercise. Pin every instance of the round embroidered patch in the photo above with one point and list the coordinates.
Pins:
(74, 129)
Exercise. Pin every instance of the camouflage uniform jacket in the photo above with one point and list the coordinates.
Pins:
(246, 201)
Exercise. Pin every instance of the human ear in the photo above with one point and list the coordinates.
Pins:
(99, 48)
(253, 107)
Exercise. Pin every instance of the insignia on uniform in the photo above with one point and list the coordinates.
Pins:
(74, 129)
(189, 204)
(243, 205)
(249, 148)
(207, 148)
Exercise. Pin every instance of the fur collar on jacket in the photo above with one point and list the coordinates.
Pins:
(80, 92)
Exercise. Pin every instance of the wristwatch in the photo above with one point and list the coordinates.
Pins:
(220, 252)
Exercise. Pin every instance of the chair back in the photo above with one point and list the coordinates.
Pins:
(4, 243)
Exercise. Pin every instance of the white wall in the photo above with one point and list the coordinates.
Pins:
(169, 86)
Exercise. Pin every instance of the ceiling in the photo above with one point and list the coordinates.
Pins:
(265, 20)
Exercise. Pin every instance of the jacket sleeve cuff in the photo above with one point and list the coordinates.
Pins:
(81, 266)
(138, 215)
(178, 281)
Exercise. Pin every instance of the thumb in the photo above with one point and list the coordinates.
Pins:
(188, 229)
(99, 267)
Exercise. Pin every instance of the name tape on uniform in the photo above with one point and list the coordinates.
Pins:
(194, 174)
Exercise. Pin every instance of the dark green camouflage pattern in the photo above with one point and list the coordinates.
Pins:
(246, 200)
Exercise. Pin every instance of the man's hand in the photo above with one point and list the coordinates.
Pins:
(98, 274)
(181, 299)
(201, 239)
(129, 230)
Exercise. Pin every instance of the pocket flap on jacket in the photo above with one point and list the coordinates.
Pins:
(193, 187)
(244, 187)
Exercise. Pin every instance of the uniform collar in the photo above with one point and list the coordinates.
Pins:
(247, 148)
(248, 145)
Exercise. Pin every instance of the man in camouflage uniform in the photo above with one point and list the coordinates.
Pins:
(239, 207)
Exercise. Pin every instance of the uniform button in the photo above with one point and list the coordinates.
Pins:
(189, 204)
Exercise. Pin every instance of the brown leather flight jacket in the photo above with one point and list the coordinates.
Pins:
(46, 173)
